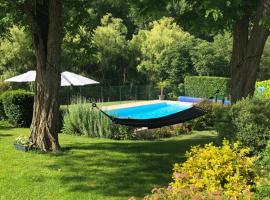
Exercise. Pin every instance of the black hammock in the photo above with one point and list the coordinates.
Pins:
(175, 118)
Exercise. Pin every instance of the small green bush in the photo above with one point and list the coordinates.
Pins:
(266, 92)
(81, 119)
(18, 107)
(206, 121)
(223, 122)
(119, 132)
(246, 121)
(206, 86)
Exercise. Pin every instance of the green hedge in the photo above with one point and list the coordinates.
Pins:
(18, 107)
(266, 85)
(206, 86)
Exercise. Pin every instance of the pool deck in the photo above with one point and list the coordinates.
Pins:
(140, 103)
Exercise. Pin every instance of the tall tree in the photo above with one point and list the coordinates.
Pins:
(248, 45)
(46, 28)
(110, 42)
(44, 18)
(247, 20)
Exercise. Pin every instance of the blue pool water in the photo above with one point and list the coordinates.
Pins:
(148, 111)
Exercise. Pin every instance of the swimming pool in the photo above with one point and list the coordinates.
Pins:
(149, 111)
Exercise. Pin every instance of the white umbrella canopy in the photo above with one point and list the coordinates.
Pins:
(67, 78)
(29, 76)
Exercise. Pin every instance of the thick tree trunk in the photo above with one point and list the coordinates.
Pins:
(45, 19)
(247, 52)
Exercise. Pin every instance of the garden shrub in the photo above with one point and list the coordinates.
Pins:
(266, 86)
(246, 121)
(223, 122)
(250, 118)
(119, 132)
(224, 172)
(206, 86)
(206, 121)
(82, 119)
(18, 107)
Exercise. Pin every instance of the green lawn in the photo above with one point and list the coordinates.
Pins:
(90, 168)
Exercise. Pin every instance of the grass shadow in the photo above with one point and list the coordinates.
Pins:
(122, 169)
(4, 135)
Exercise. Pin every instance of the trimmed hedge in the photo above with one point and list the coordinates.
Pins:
(18, 107)
(266, 92)
(206, 86)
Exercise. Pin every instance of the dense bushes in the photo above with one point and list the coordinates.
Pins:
(18, 107)
(225, 172)
(206, 86)
(246, 121)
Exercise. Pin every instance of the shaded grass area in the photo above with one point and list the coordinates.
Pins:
(90, 168)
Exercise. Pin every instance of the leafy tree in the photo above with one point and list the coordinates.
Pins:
(213, 58)
(144, 12)
(80, 19)
(163, 50)
(111, 45)
(77, 51)
(175, 63)
(16, 52)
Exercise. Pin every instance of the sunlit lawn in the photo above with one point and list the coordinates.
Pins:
(90, 168)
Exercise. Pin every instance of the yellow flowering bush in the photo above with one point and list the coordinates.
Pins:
(211, 172)
(226, 169)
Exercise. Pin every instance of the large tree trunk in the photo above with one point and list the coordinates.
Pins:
(45, 20)
(247, 52)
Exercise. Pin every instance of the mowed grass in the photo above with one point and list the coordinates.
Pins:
(90, 168)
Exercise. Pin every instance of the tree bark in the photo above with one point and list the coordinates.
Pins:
(46, 29)
(247, 52)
